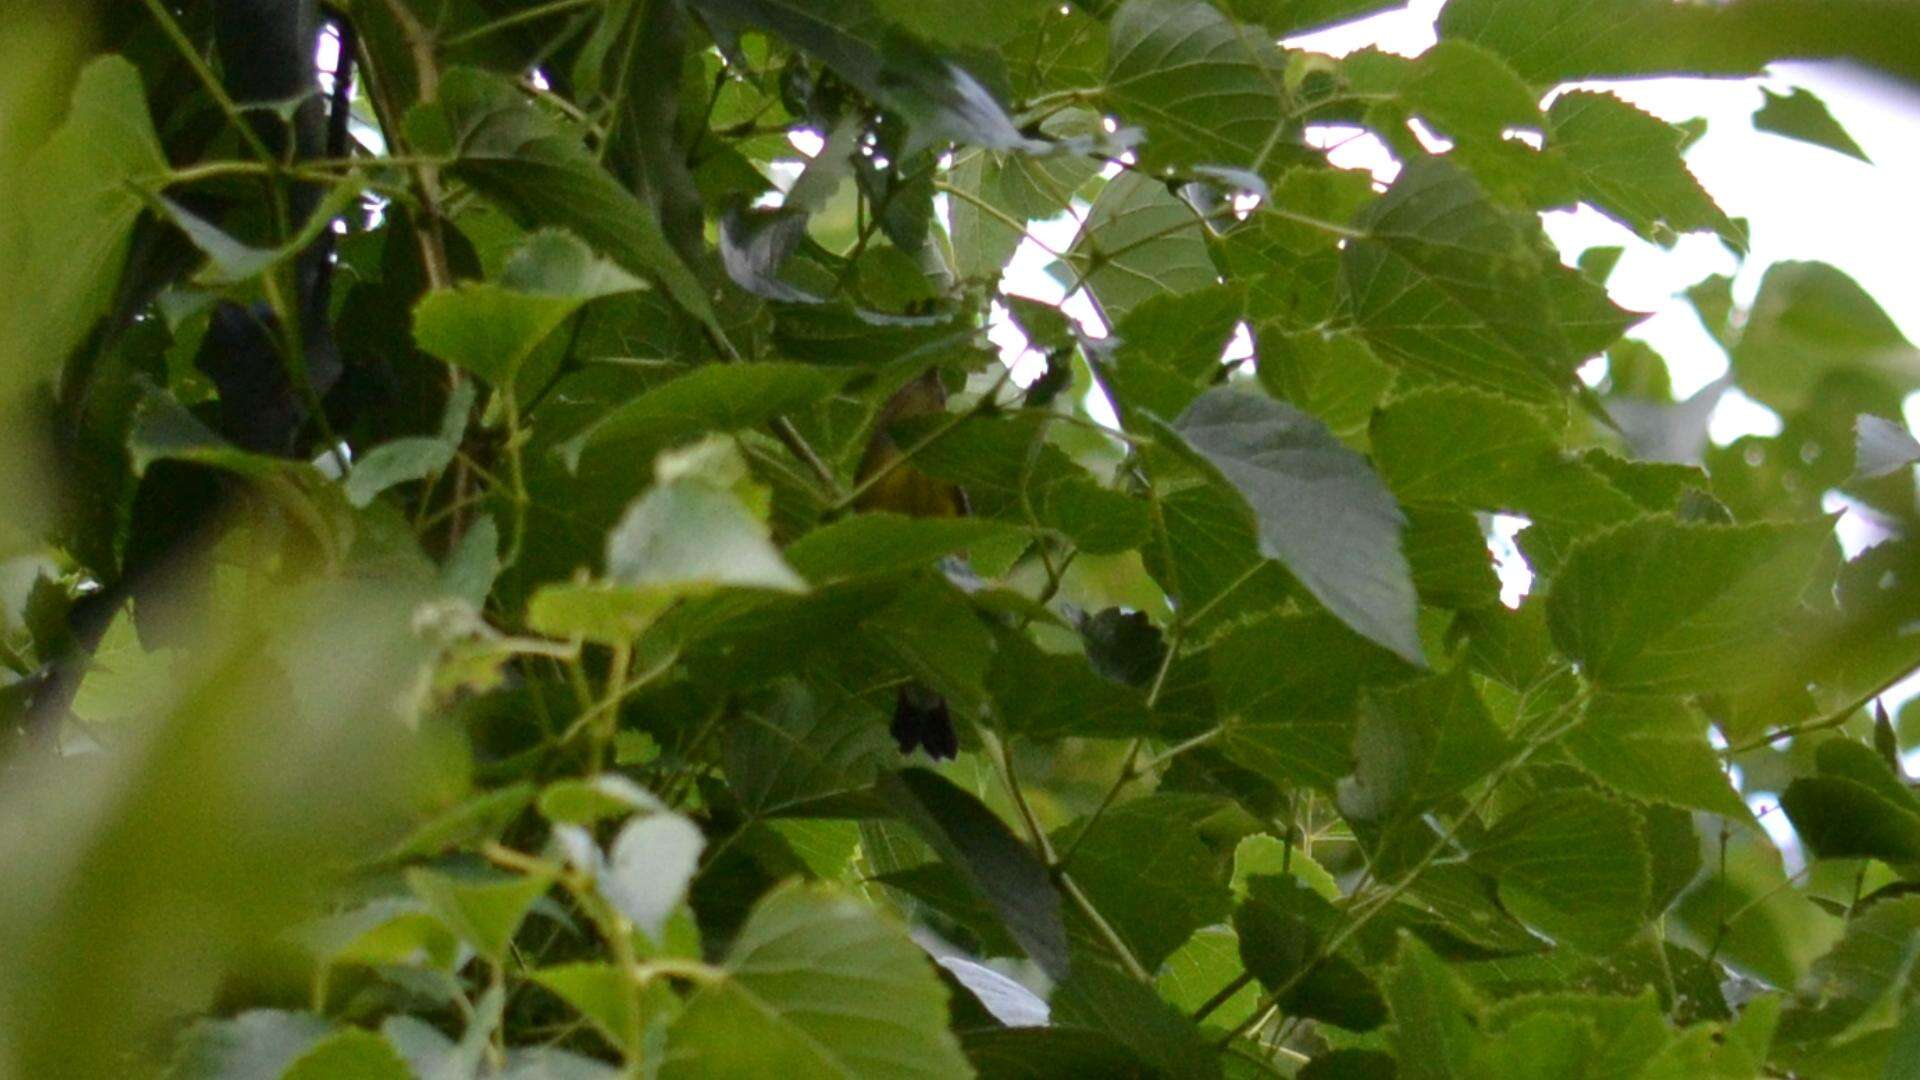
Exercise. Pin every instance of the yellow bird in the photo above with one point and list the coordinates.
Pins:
(920, 714)
(904, 489)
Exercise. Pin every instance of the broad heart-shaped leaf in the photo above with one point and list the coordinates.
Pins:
(1856, 807)
(1047, 696)
(1286, 18)
(937, 97)
(1102, 999)
(1289, 688)
(1661, 605)
(1872, 964)
(1809, 321)
(1469, 92)
(1573, 864)
(1882, 447)
(1010, 471)
(817, 984)
(1436, 1016)
(414, 458)
(484, 911)
(539, 172)
(1629, 166)
(1208, 961)
(1319, 507)
(995, 864)
(489, 328)
(1801, 115)
(714, 397)
(1283, 925)
(1452, 445)
(879, 544)
(805, 753)
(78, 203)
(687, 534)
(1552, 41)
(232, 262)
(1148, 874)
(1418, 744)
(1207, 91)
(684, 538)
(1654, 748)
(1447, 283)
(1139, 241)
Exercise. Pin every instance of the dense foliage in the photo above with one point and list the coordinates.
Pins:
(465, 642)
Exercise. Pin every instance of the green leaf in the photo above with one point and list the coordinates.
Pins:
(1197, 970)
(1553, 41)
(1167, 350)
(1809, 322)
(1446, 283)
(1455, 446)
(1148, 874)
(1419, 744)
(1101, 999)
(79, 203)
(1046, 696)
(648, 868)
(1870, 971)
(413, 458)
(350, 1054)
(484, 911)
(1572, 864)
(882, 544)
(1857, 807)
(584, 802)
(941, 100)
(1436, 1016)
(817, 984)
(1283, 926)
(1206, 91)
(712, 398)
(1468, 92)
(1290, 688)
(1046, 1053)
(1661, 605)
(599, 992)
(1629, 167)
(1319, 508)
(1287, 18)
(1011, 472)
(1802, 115)
(536, 170)
(490, 328)
(1654, 748)
(685, 538)
(1138, 241)
(805, 753)
(1261, 854)
(994, 863)
(231, 262)
(475, 820)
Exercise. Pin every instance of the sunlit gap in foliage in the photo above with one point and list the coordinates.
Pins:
(1766, 810)
(1516, 577)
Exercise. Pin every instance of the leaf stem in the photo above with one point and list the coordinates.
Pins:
(211, 82)
(1365, 909)
(1831, 720)
(507, 22)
